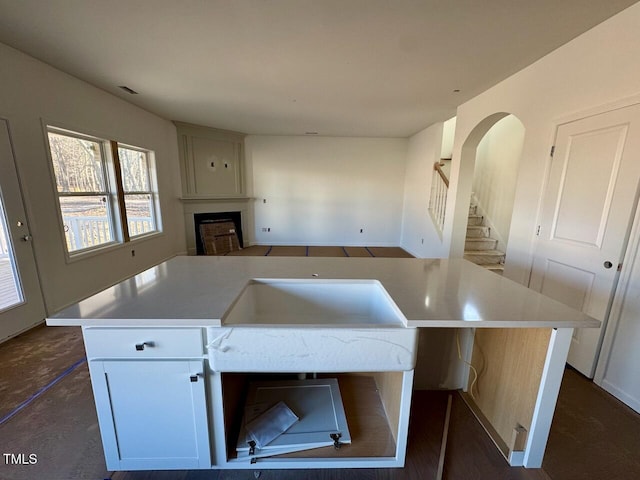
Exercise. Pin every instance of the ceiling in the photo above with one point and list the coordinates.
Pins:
(287, 67)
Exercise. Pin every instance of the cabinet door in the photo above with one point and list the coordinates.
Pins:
(152, 414)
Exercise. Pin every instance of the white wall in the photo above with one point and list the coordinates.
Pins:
(323, 190)
(495, 175)
(419, 234)
(33, 92)
(596, 68)
(448, 136)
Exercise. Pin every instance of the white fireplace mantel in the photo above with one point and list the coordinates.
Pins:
(214, 199)
(193, 205)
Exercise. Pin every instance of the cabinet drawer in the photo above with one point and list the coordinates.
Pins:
(143, 342)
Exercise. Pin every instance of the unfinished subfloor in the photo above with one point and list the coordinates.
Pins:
(320, 251)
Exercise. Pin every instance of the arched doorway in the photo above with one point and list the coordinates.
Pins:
(489, 164)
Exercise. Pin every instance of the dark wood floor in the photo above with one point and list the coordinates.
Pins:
(593, 435)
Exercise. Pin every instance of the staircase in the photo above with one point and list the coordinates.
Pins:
(479, 247)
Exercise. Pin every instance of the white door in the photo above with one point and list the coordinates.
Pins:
(618, 370)
(21, 305)
(586, 217)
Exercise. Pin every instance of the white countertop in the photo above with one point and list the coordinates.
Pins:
(197, 291)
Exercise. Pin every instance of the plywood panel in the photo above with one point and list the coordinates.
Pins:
(509, 364)
(390, 388)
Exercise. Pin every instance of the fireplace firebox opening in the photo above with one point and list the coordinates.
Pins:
(222, 230)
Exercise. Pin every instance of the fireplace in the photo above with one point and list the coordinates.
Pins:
(216, 218)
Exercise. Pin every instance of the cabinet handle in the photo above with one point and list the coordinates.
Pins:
(140, 346)
(194, 378)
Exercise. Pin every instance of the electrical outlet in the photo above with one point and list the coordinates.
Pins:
(133, 253)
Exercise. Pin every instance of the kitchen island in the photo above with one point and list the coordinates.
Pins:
(174, 350)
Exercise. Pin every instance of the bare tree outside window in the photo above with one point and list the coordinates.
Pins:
(138, 196)
(80, 171)
(88, 190)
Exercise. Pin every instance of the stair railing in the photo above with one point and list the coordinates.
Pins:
(438, 198)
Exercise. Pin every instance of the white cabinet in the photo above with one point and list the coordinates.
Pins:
(152, 410)
(161, 406)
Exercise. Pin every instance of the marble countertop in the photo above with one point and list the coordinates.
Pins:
(197, 291)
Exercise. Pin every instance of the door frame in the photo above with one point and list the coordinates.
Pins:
(633, 228)
(630, 257)
(28, 295)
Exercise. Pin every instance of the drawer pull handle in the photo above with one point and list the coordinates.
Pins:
(194, 378)
(140, 346)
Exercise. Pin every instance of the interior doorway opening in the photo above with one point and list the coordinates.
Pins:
(488, 172)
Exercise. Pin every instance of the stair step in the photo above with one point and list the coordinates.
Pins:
(482, 243)
(477, 231)
(475, 220)
(485, 257)
(494, 267)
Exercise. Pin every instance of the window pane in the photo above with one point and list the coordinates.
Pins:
(77, 164)
(140, 217)
(86, 221)
(10, 289)
(135, 170)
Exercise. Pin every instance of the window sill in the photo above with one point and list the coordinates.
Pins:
(107, 248)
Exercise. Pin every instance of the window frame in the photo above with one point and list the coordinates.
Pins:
(113, 181)
(152, 192)
(108, 178)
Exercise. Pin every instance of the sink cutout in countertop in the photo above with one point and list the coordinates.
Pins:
(314, 302)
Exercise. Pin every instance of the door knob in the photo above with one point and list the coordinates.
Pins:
(608, 264)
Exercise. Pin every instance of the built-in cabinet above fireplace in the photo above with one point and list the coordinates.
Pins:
(212, 162)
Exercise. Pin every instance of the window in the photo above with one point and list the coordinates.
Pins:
(106, 191)
(139, 200)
